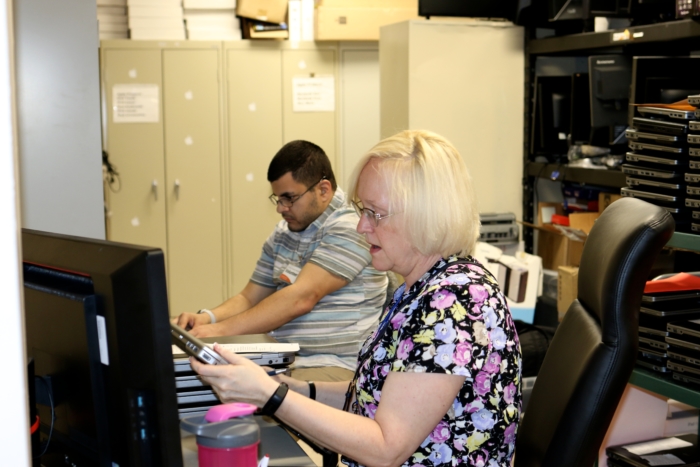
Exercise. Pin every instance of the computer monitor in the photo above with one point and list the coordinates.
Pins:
(610, 79)
(97, 326)
(469, 8)
(664, 80)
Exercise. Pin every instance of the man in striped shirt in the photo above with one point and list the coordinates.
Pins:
(313, 283)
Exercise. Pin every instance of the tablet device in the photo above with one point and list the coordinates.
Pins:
(687, 342)
(669, 113)
(686, 379)
(675, 366)
(694, 165)
(691, 304)
(694, 139)
(195, 347)
(692, 178)
(694, 152)
(693, 190)
(694, 100)
(694, 126)
(651, 125)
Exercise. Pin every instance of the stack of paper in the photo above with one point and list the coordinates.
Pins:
(301, 20)
(111, 18)
(212, 20)
(156, 19)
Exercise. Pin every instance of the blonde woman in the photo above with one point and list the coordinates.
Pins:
(438, 381)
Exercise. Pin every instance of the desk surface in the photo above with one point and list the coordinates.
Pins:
(274, 441)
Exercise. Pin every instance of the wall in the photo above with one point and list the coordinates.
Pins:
(58, 110)
(14, 435)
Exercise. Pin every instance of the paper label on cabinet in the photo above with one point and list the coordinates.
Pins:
(135, 103)
(313, 94)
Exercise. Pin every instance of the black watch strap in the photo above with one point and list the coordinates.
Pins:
(312, 390)
(275, 400)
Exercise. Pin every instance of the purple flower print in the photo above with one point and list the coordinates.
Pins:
(379, 353)
(474, 406)
(475, 268)
(460, 441)
(385, 370)
(404, 348)
(482, 383)
(509, 393)
(371, 410)
(463, 353)
(455, 279)
(444, 355)
(498, 338)
(441, 454)
(446, 331)
(509, 434)
(493, 363)
(441, 433)
(490, 318)
(478, 458)
(483, 420)
(398, 320)
(479, 293)
(442, 299)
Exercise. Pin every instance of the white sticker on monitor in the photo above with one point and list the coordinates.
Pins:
(102, 338)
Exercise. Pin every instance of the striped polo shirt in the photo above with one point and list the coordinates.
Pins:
(331, 333)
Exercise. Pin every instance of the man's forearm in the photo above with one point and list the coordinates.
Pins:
(271, 313)
(231, 307)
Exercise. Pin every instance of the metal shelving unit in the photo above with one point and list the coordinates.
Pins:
(672, 38)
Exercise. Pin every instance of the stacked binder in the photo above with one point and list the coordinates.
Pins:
(212, 20)
(112, 19)
(156, 19)
(663, 164)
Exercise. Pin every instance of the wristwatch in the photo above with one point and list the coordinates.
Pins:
(211, 314)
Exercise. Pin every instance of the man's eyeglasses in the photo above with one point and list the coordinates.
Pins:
(371, 215)
(288, 201)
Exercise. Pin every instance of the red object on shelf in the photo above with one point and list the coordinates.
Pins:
(678, 283)
(560, 220)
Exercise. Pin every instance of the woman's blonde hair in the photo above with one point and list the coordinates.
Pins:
(430, 185)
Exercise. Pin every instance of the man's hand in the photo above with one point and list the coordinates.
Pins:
(208, 330)
(189, 321)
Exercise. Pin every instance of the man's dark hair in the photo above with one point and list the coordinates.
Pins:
(306, 161)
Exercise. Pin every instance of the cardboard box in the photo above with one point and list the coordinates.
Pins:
(555, 249)
(271, 11)
(567, 289)
(606, 199)
(356, 23)
(583, 220)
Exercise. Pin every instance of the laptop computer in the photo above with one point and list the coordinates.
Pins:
(678, 450)
(651, 125)
(669, 113)
(664, 174)
(260, 348)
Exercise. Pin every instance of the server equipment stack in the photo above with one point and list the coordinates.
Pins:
(661, 161)
(692, 177)
(658, 310)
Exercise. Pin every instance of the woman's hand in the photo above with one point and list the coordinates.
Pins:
(241, 381)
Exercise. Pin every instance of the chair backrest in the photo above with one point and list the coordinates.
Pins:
(594, 349)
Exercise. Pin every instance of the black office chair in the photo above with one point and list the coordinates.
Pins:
(593, 352)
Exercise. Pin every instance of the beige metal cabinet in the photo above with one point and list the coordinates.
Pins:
(261, 118)
(462, 79)
(170, 169)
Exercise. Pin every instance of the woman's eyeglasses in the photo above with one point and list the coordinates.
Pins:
(370, 214)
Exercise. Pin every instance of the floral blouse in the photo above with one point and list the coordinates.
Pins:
(453, 320)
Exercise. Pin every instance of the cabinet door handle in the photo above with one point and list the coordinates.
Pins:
(154, 188)
(177, 189)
